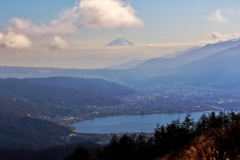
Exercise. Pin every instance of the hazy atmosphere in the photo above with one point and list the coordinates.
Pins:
(73, 34)
(119, 79)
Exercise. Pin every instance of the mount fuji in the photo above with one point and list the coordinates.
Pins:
(119, 42)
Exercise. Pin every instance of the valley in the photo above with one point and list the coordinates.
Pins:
(144, 102)
(55, 98)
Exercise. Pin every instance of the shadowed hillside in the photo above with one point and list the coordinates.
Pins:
(27, 132)
(63, 91)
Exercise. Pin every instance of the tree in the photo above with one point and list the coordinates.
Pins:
(202, 124)
(188, 124)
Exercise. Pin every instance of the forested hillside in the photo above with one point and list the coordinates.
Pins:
(96, 85)
(60, 94)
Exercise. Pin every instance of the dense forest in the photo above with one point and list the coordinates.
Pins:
(213, 136)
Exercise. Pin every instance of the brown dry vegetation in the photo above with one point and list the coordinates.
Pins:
(216, 144)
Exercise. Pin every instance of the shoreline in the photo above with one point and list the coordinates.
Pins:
(132, 123)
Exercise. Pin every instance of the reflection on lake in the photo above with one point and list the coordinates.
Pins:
(129, 124)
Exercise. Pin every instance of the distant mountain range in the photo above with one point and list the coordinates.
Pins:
(119, 42)
(221, 70)
(213, 65)
(134, 63)
(187, 57)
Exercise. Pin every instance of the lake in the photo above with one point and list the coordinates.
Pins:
(129, 124)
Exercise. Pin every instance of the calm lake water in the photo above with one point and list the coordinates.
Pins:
(129, 124)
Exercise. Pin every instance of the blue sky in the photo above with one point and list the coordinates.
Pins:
(70, 33)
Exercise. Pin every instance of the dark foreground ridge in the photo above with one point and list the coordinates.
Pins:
(213, 136)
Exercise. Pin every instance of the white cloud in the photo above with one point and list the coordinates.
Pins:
(217, 17)
(212, 37)
(107, 14)
(215, 37)
(58, 43)
(27, 27)
(97, 14)
(14, 40)
(219, 36)
(19, 24)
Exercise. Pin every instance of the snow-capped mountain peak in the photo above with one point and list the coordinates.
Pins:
(119, 42)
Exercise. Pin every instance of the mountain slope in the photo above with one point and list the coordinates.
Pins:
(221, 69)
(97, 85)
(22, 107)
(63, 91)
(226, 62)
(27, 132)
(179, 52)
(187, 57)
